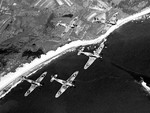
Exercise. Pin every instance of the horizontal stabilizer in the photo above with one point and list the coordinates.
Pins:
(53, 78)
(80, 51)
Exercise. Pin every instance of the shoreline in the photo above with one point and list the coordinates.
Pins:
(29, 68)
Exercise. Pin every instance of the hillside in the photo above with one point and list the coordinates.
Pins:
(29, 28)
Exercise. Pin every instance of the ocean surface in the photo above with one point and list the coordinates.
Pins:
(102, 88)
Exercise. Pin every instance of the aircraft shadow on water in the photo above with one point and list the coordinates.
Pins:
(141, 79)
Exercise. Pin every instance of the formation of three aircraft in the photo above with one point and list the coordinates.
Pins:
(68, 83)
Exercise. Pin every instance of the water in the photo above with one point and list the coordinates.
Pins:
(101, 89)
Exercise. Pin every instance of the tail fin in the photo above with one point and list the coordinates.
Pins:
(23, 77)
(53, 78)
(96, 54)
(80, 51)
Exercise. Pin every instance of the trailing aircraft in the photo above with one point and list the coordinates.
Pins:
(34, 84)
(65, 84)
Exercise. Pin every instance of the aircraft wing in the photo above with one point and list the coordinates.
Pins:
(41, 77)
(30, 90)
(100, 48)
(61, 90)
(89, 62)
(72, 77)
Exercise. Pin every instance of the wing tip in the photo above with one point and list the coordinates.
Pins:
(76, 72)
(53, 77)
(44, 74)
(56, 96)
(86, 67)
(25, 94)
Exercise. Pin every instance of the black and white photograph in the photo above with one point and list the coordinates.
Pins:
(74, 56)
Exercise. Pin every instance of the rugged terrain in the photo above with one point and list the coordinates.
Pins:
(29, 28)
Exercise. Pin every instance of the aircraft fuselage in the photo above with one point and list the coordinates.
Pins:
(33, 82)
(96, 55)
(91, 54)
(63, 82)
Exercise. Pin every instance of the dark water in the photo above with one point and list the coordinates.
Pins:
(102, 88)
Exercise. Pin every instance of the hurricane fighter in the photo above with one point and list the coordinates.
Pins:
(34, 84)
(92, 56)
(65, 84)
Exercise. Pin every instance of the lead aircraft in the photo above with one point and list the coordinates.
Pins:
(92, 56)
(34, 84)
(65, 84)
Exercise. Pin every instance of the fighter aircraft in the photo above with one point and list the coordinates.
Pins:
(65, 84)
(34, 84)
(92, 56)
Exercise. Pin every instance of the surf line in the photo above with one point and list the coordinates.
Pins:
(29, 68)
